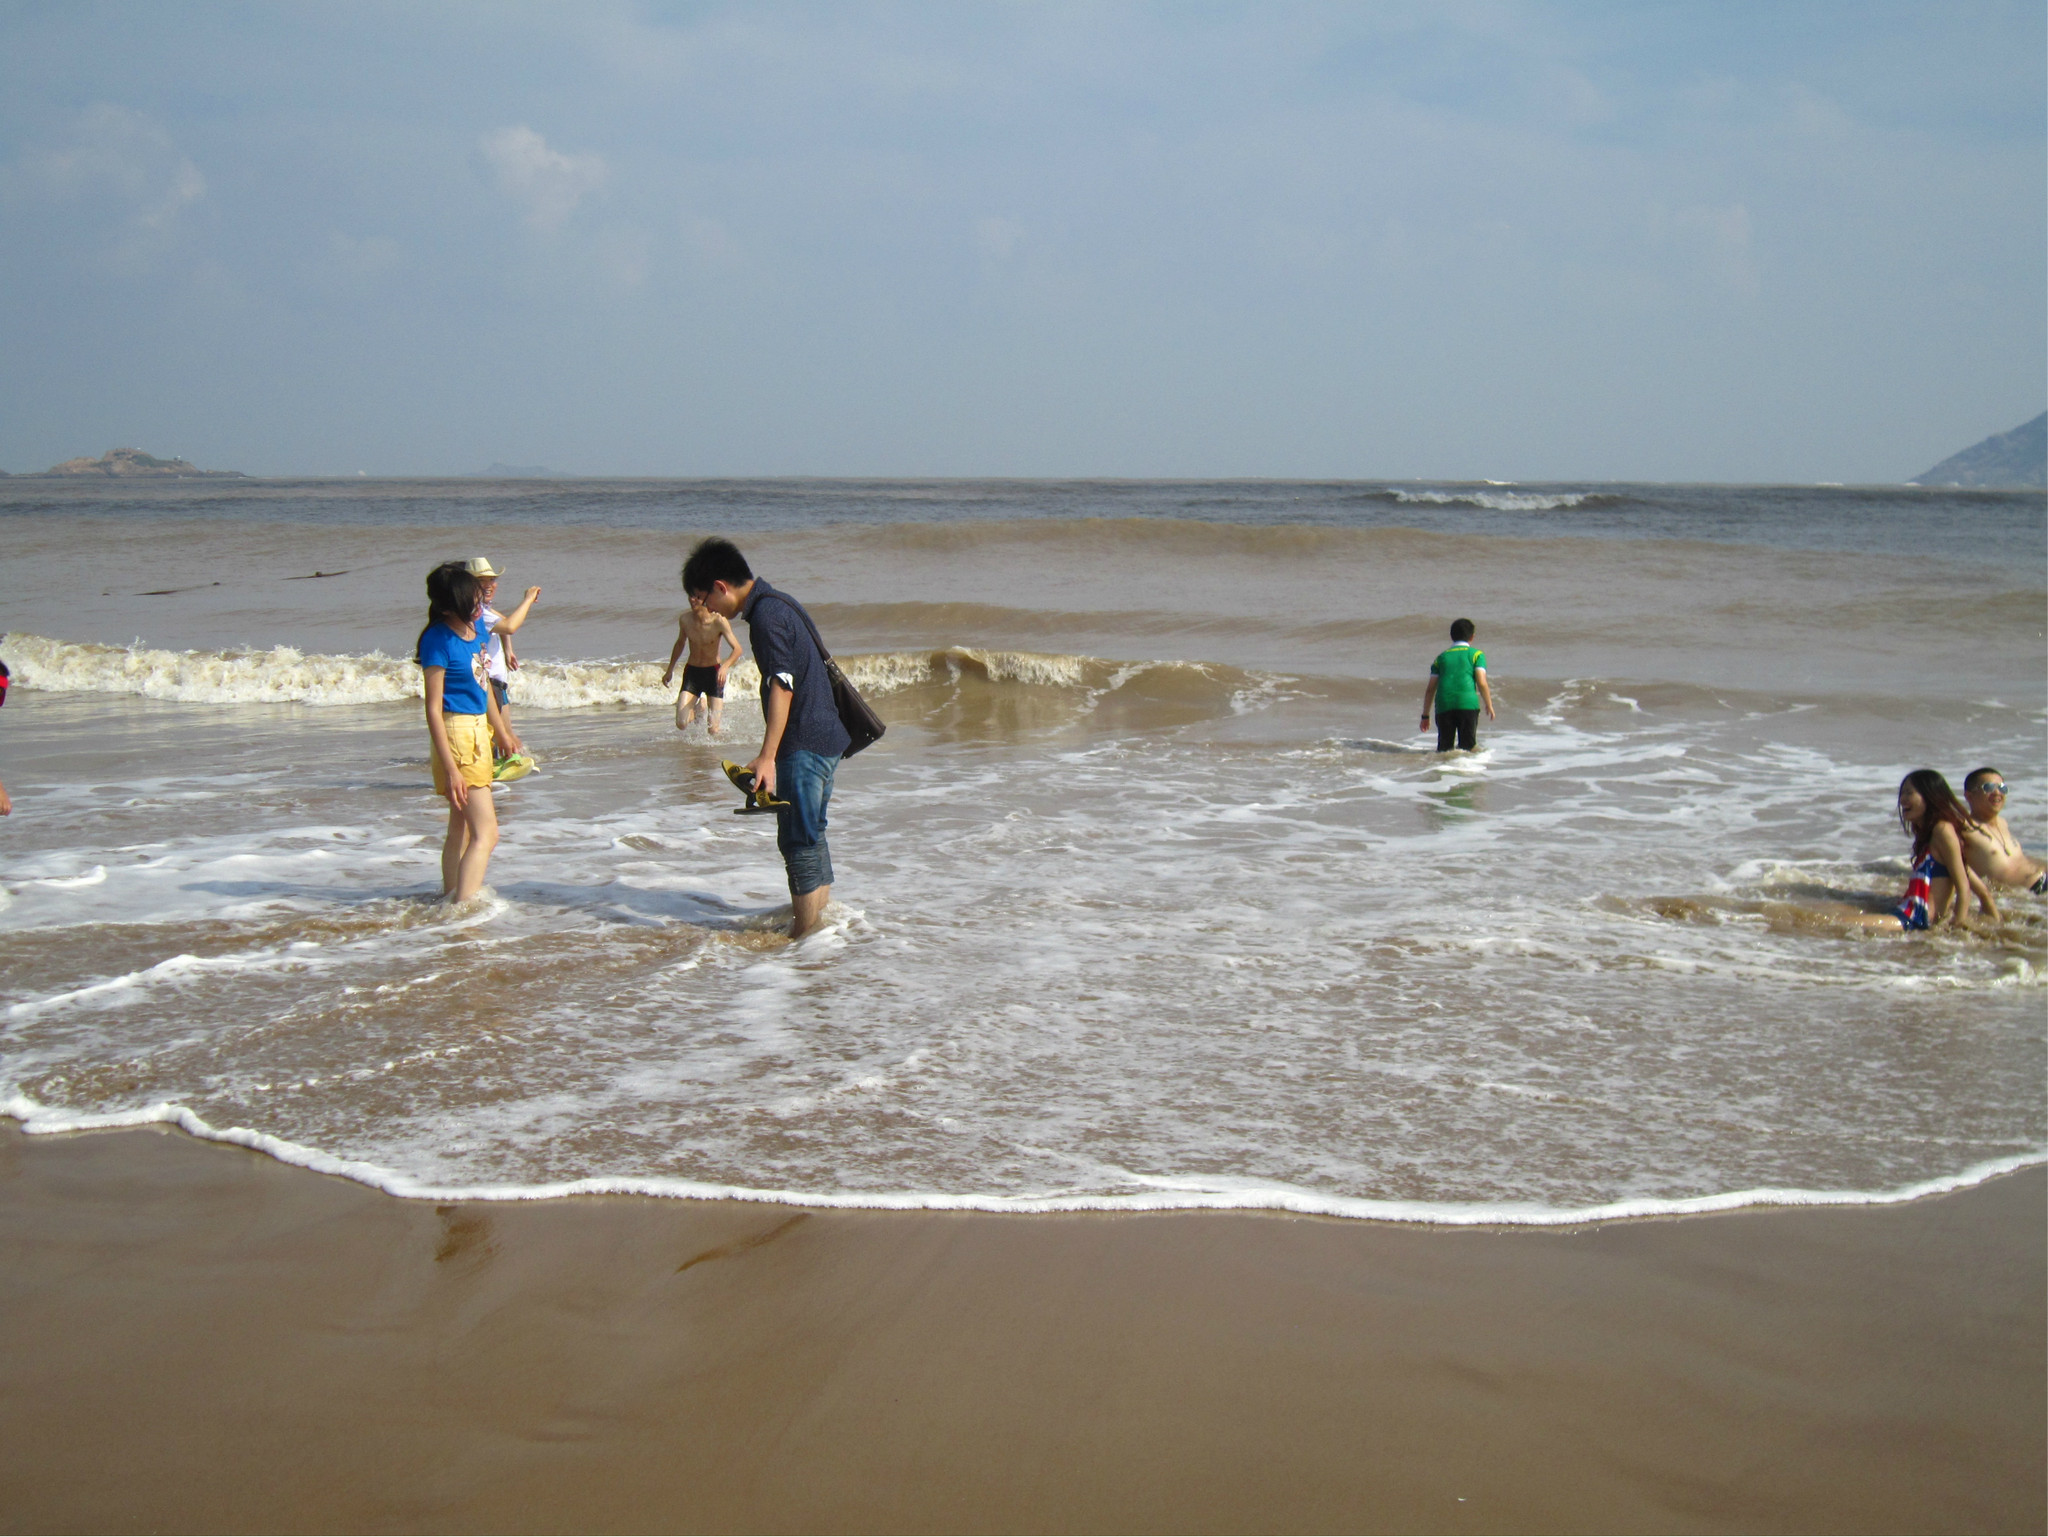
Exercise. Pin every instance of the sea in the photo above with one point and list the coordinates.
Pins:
(1153, 895)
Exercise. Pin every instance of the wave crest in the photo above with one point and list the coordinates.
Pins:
(282, 675)
(1499, 501)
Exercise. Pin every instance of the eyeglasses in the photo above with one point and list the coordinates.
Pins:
(1989, 788)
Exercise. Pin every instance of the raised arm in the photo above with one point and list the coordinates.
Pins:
(509, 623)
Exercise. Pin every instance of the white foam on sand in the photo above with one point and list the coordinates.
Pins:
(1181, 1194)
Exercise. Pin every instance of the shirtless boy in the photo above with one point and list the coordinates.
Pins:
(706, 634)
(1992, 850)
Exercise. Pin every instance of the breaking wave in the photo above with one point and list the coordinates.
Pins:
(282, 675)
(279, 675)
(1504, 501)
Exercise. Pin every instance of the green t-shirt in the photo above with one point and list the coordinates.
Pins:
(1455, 688)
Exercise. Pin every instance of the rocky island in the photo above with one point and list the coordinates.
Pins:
(2007, 460)
(130, 463)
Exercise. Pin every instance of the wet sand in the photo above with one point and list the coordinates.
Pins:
(200, 1338)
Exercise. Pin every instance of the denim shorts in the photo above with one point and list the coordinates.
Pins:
(804, 779)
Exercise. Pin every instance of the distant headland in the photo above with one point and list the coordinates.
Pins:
(133, 464)
(2015, 460)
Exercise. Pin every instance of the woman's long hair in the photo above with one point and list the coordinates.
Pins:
(453, 593)
(1940, 805)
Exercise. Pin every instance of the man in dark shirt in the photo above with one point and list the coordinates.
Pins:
(803, 740)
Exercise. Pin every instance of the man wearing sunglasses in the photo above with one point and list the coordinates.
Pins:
(1992, 850)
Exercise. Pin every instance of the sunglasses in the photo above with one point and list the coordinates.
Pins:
(1988, 788)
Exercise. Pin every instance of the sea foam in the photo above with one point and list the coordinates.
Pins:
(1212, 1193)
(1495, 501)
(282, 675)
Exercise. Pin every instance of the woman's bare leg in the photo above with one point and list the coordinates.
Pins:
(481, 819)
(1830, 918)
(451, 849)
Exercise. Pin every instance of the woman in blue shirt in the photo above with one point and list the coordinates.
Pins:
(461, 717)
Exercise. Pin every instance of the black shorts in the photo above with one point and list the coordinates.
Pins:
(705, 681)
(503, 691)
(1456, 728)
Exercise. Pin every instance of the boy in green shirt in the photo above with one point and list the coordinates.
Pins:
(1457, 687)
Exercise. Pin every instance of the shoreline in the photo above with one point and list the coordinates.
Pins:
(202, 1337)
(1280, 1200)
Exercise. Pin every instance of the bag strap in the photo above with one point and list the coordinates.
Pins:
(809, 624)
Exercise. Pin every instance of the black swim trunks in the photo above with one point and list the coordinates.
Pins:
(705, 681)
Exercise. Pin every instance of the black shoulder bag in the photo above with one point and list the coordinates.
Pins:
(862, 724)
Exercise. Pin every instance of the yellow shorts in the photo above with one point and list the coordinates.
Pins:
(469, 738)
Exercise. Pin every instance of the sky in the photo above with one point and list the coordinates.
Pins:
(1656, 240)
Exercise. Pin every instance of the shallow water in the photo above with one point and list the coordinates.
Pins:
(1152, 894)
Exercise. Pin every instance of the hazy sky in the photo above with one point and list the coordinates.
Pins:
(1674, 241)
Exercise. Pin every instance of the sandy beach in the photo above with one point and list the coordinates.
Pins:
(199, 1338)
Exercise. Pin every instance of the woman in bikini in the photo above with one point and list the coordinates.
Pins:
(1940, 879)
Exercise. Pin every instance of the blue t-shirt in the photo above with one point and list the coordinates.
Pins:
(440, 646)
